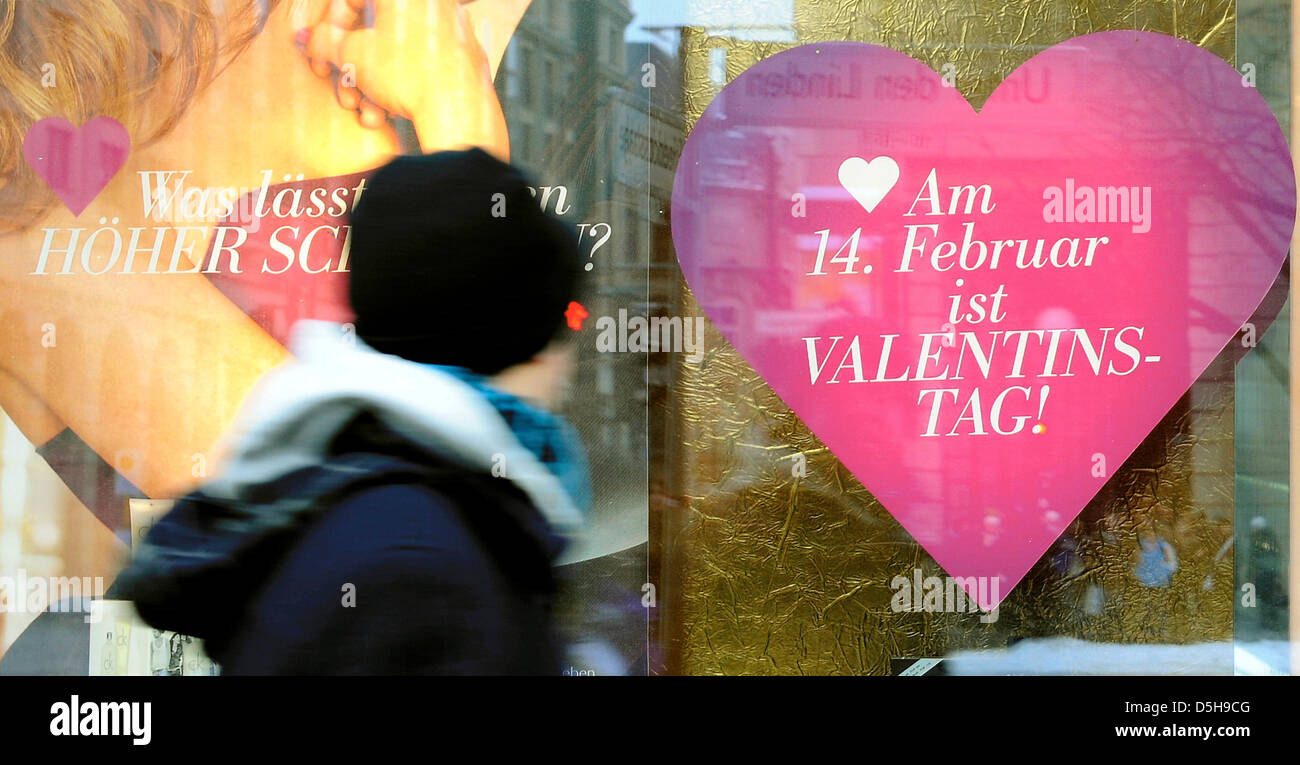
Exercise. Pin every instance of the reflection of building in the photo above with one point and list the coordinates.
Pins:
(582, 117)
(562, 58)
(643, 138)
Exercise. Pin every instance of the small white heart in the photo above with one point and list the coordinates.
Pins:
(868, 182)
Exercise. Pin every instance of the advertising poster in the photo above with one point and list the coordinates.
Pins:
(189, 205)
(913, 338)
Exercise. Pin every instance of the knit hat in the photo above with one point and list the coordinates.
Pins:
(454, 262)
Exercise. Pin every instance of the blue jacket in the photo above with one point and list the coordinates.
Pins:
(384, 559)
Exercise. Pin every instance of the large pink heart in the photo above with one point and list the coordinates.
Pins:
(76, 163)
(984, 435)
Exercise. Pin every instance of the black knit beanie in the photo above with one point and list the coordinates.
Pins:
(453, 261)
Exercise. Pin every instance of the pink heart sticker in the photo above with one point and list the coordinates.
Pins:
(76, 163)
(985, 339)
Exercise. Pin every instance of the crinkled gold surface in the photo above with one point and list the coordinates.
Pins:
(766, 573)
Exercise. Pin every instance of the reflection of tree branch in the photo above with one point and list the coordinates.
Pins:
(1207, 310)
(1202, 103)
(1125, 104)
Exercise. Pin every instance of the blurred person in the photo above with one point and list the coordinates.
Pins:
(393, 501)
(1155, 561)
(1265, 570)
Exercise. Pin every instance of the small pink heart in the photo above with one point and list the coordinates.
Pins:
(76, 163)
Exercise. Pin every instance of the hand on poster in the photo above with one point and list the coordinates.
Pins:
(417, 59)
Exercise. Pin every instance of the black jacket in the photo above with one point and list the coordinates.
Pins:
(383, 560)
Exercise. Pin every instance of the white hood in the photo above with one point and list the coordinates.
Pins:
(295, 411)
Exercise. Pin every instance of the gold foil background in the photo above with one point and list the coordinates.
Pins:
(765, 573)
